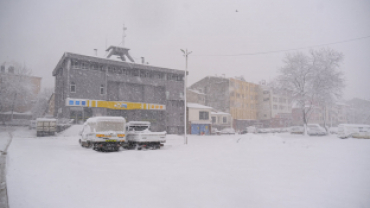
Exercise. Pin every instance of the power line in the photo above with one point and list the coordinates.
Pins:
(292, 49)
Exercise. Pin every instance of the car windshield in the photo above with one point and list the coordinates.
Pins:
(137, 128)
(110, 126)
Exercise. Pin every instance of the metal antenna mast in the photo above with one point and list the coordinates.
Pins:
(124, 35)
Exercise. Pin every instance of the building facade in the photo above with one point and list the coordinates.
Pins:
(87, 86)
(194, 96)
(27, 87)
(274, 107)
(231, 95)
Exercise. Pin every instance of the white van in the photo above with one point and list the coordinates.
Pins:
(103, 133)
(353, 130)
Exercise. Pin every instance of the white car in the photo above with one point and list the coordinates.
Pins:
(297, 130)
(315, 130)
(353, 130)
(228, 131)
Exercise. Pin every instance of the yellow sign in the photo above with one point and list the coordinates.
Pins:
(118, 105)
(121, 105)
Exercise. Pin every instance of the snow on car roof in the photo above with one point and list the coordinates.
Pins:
(355, 125)
(46, 119)
(196, 105)
(105, 118)
(132, 123)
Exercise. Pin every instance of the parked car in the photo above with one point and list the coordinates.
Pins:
(333, 130)
(243, 132)
(315, 130)
(228, 131)
(252, 129)
(215, 131)
(353, 130)
(297, 130)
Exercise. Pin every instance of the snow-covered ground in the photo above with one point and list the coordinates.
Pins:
(268, 170)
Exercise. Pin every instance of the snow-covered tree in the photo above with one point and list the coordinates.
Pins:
(42, 104)
(16, 88)
(314, 79)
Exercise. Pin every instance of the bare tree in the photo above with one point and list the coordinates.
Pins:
(313, 79)
(16, 88)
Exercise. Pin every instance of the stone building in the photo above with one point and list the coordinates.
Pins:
(87, 86)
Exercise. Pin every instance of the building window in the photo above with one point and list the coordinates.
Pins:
(274, 99)
(213, 119)
(85, 66)
(117, 71)
(136, 73)
(75, 65)
(2, 69)
(224, 119)
(73, 87)
(203, 115)
(174, 77)
(102, 89)
(266, 99)
(167, 95)
(265, 92)
(143, 74)
(11, 69)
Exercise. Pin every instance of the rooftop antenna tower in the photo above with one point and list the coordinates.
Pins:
(120, 51)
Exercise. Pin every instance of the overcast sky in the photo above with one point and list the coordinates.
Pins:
(38, 32)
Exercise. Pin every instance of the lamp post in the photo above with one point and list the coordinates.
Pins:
(186, 54)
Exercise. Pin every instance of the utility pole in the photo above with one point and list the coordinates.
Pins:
(186, 54)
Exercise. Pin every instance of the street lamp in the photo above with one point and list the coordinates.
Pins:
(186, 54)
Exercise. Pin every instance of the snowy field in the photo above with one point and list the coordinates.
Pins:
(268, 170)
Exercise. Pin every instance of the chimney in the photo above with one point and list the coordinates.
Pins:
(96, 52)
(142, 60)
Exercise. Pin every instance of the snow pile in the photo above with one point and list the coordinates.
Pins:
(73, 130)
(251, 170)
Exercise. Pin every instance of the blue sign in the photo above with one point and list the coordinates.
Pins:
(124, 105)
(77, 102)
(71, 102)
(83, 103)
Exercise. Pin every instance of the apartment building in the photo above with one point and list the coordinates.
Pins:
(275, 107)
(235, 96)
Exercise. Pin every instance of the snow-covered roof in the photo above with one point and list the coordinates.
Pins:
(354, 125)
(196, 91)
(112, 61)
(196, 105)
(105, 118)
(25, 113)
(46, 119)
